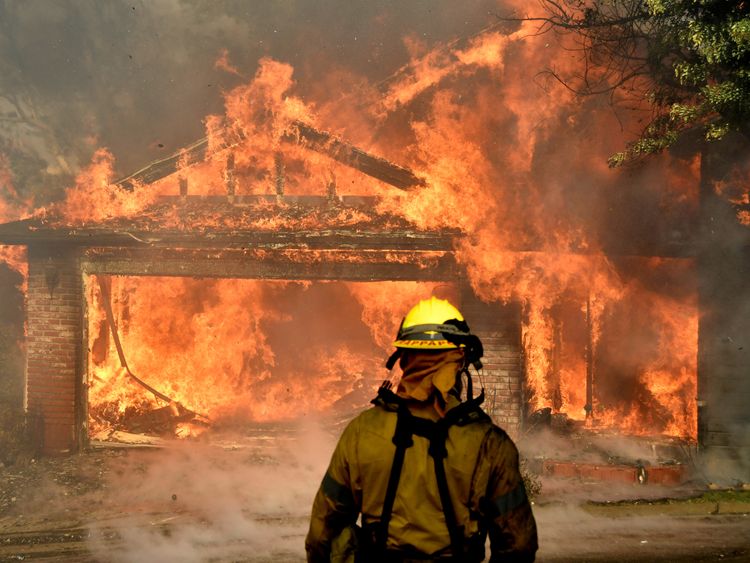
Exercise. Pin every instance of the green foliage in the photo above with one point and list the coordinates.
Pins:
(708, 48)
(727, 495)
(690, 60)
(740, 32)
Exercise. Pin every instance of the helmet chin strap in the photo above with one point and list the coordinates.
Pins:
(469, 382)
(393, 359)
(470, 343)
(469, 379)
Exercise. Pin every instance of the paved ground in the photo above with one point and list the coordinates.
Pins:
(249, 503)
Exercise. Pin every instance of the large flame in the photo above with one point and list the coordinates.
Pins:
(12, 208)
(518, 165)
(241, 350)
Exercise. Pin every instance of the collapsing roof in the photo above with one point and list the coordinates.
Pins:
(254, 236)
(246, 221)
(298, 133)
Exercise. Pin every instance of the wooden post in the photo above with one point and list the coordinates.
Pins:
(230, 181)
(331, 189)
(183, 186)
(279, 166)
(553, 381)
(589, 406)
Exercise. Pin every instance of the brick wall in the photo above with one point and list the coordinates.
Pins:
(724, 326)
(53, 347)
(499, 327)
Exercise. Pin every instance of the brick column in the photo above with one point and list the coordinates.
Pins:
(499, 327)
(54, 342)
(724, 325)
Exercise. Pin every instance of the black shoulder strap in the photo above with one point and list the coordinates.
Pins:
(454, 530)
(437, 434)
(402, 439)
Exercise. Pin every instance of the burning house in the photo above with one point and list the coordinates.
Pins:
(96, 296)
(210, 288)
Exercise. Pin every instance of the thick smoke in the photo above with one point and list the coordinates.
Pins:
(240, 498)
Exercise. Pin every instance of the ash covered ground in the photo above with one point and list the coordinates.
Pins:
(247, 499)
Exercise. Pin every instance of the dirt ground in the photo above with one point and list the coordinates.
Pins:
(250, 503)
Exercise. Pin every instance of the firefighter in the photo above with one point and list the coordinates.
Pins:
(431, 475)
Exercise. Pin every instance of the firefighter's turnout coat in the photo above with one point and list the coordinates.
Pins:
(484, 486)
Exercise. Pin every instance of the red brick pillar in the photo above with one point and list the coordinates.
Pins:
(499, 327)
(54, 342)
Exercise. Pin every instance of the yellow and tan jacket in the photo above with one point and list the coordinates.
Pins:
(484, 482)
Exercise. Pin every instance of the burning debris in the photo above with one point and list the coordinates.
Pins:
(163, 420)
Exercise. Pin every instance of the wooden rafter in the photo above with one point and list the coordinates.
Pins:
(299, 133)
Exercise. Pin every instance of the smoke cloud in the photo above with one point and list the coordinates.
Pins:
(242, 497)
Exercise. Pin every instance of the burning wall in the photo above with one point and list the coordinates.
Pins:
(194, 329)
(236, 351)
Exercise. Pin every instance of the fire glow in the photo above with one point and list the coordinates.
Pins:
(241, 350)
(208, 345)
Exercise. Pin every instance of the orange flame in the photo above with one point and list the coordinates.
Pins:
(516, 168)
(213, 346)
(222, 63)
(94, 197)
(12, 208)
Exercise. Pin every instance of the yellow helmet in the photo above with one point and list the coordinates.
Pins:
(435, 324)
(426, 325)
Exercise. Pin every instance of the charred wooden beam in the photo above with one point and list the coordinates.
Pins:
(22, 233)
(300, 133)
(348, 154)
(162, 168)
(238, 264)
(36, 233)
(328, 239)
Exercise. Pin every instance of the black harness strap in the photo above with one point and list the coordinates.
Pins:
(402, 440)
(439, 453)
(437, 433)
